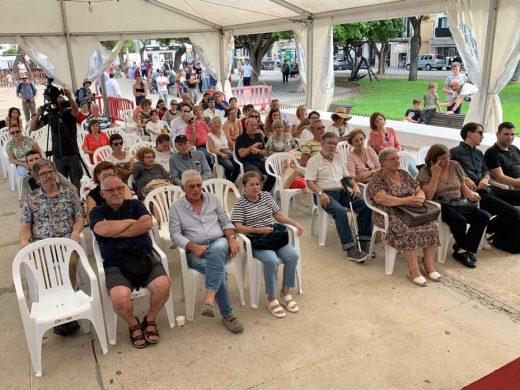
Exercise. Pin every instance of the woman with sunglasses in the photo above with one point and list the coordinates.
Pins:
(18, 147)
(380, 136)
(172, 112)
(94, 140)
(123, 160)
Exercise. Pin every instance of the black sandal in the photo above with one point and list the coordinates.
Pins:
(147, 333)
(138, 337)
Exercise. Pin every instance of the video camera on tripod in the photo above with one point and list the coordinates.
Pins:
(50, 97)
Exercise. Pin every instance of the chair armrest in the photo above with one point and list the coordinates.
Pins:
(248, 248)
(495, 183)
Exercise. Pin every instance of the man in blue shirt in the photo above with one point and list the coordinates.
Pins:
(27, 92)
(200, 226)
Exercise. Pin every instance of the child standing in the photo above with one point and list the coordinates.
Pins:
(431, 103)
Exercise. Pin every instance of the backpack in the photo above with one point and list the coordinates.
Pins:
(76, 95)
(19, 88)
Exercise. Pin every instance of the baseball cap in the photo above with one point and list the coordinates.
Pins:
(180, 139)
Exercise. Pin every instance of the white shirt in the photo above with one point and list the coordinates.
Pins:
(247, 70)
(113, 88)
(155, 129)
(325, 173)
(177, 127)
(305, 136)
(162, 84)
(210, 114)
(163, 158)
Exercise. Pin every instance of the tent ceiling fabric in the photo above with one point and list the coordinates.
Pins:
(176, 18)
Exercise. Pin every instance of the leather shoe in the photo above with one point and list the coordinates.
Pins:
(472, 257)
(464, 259)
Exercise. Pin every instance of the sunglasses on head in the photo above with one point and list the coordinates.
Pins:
(387, 138)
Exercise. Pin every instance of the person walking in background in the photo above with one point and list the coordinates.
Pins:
(27, 93)
(285, 71)
(247, 72)
(112, 87)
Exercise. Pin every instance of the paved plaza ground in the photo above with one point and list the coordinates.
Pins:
(357, 328)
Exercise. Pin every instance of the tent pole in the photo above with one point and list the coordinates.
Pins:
(308, 64)
(486, 67)
(221, 48)
(106, 107)
(69, 48)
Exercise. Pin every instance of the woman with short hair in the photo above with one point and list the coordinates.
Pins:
(147, 174)
(94, 139)
(362, 162)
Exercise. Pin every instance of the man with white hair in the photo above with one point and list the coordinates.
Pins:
(199, 225)
(104, 123)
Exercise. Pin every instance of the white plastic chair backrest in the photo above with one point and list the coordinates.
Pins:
(241, 166)
(130, 182)
(343, 149)
(83, 126)
(113, 130)
(130, 139)
(4, 130)
(221, 187)
(141, 144)
(405, 159)
(161, 198)
(38, 134)
(5, 138)
(277, 162)
(48, 263)
(421, 154)
(127, 116)
(80, 137)
(100, 154)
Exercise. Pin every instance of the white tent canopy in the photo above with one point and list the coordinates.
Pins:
(199, 19)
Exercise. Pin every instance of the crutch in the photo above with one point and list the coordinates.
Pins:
(345, 183)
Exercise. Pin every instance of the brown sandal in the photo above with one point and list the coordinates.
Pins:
(147, 333)
(138, 337)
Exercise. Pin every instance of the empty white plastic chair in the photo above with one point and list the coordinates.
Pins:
(110, 315)
(421, 155)
(47, 266)
(100, 154)
(141, 144)
(130, 139)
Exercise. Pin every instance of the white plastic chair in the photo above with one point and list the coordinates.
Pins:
(406, 160)
(158, 203)
(130, 139)
(110, 315)
(256, 267)
(114, 130)
(14, 180)
(130, 125)
(343, 149)
(241, 166)
(141, 144)
(5, 137)
(80, 136)
(218, 170)
(274, 166)
(47, 264)
(421, 155)
(100, 154)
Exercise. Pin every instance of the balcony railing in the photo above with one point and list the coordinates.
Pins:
(442, 32)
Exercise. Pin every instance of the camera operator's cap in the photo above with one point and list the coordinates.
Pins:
(180, 139)
(342, 113)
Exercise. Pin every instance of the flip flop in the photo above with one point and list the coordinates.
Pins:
(289, 303)
(275, 308)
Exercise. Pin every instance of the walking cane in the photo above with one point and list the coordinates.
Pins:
(345, 183)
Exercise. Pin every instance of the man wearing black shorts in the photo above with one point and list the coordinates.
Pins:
(125, 223)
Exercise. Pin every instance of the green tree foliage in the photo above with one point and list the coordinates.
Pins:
(381, 31)
(9, 52)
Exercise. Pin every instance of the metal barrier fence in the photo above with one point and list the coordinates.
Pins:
(116, 106)
(257, 95)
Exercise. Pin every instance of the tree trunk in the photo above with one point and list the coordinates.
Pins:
(256, 62)
(178, 57)
(415, 46)
(516, 76)
(141, 53)
(381, 57)
(257, 45)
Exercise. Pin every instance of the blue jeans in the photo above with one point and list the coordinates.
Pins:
(21, 171)
(213, 265)
(270, 259)
(339, 203)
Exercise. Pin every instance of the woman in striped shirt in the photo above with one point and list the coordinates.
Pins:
(255, 212)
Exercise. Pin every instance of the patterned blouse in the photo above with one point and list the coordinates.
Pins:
(448, 187)
(19, 151)
(355, 165)
(51, 217)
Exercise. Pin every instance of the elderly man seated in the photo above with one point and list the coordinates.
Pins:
(323, 175)
(199, 225)
(186, 159)
(104, 123)
(121, 228)
(52, 211)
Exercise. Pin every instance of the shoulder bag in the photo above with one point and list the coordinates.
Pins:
(458, 204)
(274, 241)
(416, 216)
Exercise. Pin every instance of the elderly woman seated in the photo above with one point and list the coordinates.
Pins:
(255, 212)
(391, 187)
(280, 139)
(147, 174)
(362, 161)
(122, 159)
(442, 179)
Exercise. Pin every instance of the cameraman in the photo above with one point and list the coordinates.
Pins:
(65, 151)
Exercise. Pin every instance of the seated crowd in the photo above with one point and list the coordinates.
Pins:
(190, 140)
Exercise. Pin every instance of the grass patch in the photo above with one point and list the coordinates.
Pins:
(393, 97)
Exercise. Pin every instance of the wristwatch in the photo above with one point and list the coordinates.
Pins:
(320, 193)
(233, 236)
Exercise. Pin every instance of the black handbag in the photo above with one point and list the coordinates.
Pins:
(416, 216)
(135, 263)
(458, 204)
(274, 241)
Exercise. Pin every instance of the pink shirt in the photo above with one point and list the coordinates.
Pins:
(355, 165)
(201, 132)
(378, 140)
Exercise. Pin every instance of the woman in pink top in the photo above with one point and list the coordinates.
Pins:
(362, 162)
(197, 131)
(380, 136)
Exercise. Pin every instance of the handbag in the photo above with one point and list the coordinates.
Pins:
(135, 263)
(273, 241)
(458, 204)
(416, 216)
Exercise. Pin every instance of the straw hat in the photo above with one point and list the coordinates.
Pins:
(342, 113)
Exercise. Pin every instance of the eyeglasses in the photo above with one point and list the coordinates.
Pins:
(113, 190)
(254, 116)
(480, 132)
(117, 143)
(15, 132)
(173, 103)
(46, 173)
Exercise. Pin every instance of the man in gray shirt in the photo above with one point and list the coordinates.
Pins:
(199, 225)
(187, 159)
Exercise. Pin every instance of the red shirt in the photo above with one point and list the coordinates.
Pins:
(92, 144)
(378, 141)
(81, 117)
(201, 132)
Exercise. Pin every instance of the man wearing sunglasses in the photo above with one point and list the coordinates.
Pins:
(52, 211)
(503, 230)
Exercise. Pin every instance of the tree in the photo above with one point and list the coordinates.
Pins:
(9, 52)
(127, 45)
(415, 45)
(381, 31)
(350, 37)
(257, 45)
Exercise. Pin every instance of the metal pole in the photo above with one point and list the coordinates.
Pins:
(69, 48)
(106, 107)
(486, 67)
(308, 64)
(223, 74)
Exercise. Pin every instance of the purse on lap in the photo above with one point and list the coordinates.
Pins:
(274, 241)
(416, 216)
(458, 204)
